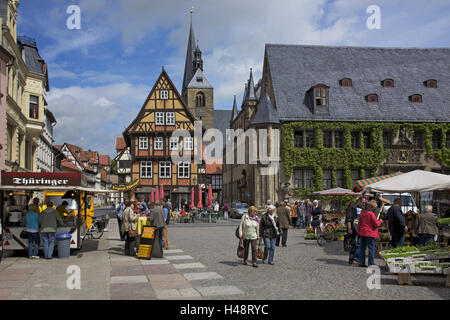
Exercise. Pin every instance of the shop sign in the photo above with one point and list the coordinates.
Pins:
(130, 186)
(146, 243)
(38, 179)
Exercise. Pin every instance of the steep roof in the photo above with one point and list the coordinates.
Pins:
(220, 124)
(294, 69)
(104, 160)
(188, 67)
(250, 89)
(202, 84)
(68, 165)
(234, 111)
(265, 112)
(76, 152)
(120, 144)
(32, 58)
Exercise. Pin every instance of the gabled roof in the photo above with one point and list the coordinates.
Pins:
(90, 157)
(104, 160)
(294, 69)
(76, 151)
(120, 144)
(203, 84)
(68, 165)
(265, 112)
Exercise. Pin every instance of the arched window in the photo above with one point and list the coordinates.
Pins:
(372, 98)
(431, 83)
(200, 99)
(346, 82)
(387, 83)
(415, 98)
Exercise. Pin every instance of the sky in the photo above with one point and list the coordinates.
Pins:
(101, 74)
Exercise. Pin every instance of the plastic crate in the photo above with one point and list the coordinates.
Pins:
(401, 267)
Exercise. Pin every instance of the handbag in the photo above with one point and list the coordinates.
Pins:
(132, 233)
(260, 251)
(23, 235)
(240, 249)
(349, 242)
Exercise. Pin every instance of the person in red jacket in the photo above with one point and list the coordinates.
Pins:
(368, 231)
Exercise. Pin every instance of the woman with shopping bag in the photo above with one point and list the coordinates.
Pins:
(249, 233)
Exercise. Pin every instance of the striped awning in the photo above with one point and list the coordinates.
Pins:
(360, 184)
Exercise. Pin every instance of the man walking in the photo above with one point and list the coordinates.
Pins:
(284, 220)
(301, 213)
(397, 224)
(166, 222)
(49, 220)
(351, 215)
(156, 217)
(120, 208)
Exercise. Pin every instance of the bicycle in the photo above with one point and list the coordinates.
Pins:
(325, 231)
(96, 229)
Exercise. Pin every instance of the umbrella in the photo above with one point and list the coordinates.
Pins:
(209, 196)
(200, 202)
(336, 192)
(152, 196)
(192, 198)
(361, 184)
(161, 192)
(157, 194)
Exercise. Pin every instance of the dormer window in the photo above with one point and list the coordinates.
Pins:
(415, 98)
(431, 83)
(372, 98)
(320, 95)
(387, 83)
(346, 83)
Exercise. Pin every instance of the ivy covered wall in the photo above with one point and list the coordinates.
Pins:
(346, 158)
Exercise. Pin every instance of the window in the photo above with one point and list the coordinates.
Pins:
(159, 143)
(173, 143)
(372, 98)
(146, 169)
(366, 138)
(431, 83)
(124, 164)
(216, 182)
(387, 139)
(338, 139)
(436, 140)
(165, 169)
(164, 94)
(327, 142)
(320, 96)
(415, 98)
(143, 143)
(355, 175)
(298, 139)
(170, 118)
(447, 140)
(418, 139)
(188, 143)
(327, 179)
(346, 82)
(34, 107)
(387, 83)
(355, 135)
(159, 118)
(310, 139)
(184, 170)
(200, 99)
(303, 178)
(199, 79)
(339, 178)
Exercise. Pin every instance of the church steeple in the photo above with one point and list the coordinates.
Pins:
(234, 112)
(250, 93)
(198, 61)
(189, 67)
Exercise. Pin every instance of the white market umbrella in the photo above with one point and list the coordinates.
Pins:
(414, 181)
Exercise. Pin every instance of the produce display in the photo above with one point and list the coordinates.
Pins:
(444, 221)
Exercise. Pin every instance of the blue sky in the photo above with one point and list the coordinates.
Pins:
(101, 74)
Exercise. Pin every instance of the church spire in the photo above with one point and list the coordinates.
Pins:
(190, 53)
(250, 94)
(234, 112)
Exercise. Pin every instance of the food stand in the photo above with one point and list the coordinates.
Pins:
(58, 186)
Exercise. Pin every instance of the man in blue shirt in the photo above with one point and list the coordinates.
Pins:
(166, 222)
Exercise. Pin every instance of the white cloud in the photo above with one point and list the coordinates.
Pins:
(92, 117)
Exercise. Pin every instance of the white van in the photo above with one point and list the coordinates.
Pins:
(408, 203)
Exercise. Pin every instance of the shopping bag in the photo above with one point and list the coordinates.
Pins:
(349, 243)
(260, 251)
(240, 249)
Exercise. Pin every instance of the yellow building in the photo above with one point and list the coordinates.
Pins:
(27, 84)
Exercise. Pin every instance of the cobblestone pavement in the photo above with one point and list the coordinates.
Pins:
(302, 270)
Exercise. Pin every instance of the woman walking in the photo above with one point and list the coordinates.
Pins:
(32, 228)
(368, 231)
(248, 231)
(269, 230)
(129, 229)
